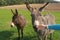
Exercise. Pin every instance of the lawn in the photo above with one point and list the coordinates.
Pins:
(8, 33)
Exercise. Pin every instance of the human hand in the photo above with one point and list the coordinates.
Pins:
(42, 27)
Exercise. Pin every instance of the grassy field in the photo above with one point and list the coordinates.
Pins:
(8, 33)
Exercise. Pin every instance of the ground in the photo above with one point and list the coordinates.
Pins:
(50, 7)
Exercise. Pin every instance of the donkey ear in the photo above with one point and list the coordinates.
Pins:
(12, 11)
(28, 6)
(16, 11)
(26, 2)
(41, 8)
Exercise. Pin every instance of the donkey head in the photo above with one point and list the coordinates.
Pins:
(14, 18)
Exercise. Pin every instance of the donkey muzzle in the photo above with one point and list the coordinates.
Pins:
(12, 24)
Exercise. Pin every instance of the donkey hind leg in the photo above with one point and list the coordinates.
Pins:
(50, 36)
(22, 33)
(18, 34)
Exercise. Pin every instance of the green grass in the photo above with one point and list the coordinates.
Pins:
(8, 33)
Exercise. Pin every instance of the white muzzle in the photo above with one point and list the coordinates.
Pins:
(36, 22)
(12, 24)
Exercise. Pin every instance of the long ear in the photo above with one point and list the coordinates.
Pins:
(40, 9)
(28, 6)
(12, 11)
(16, 11)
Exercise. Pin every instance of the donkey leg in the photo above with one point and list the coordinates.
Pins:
(18, 34)
(45, 37)
(39, 37)
(50, 36)
(22, 32)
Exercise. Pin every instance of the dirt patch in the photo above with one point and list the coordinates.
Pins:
(50, 7)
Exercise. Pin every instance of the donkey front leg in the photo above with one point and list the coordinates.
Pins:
(22, 32)
(45, 37)
(18, 34)
(39, 37)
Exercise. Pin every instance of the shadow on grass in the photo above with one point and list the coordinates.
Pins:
(27, 38)
(30, 38)
(5, 35)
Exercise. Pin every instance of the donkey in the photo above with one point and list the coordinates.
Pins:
(49, 19)
(19, 21)
(38, 19)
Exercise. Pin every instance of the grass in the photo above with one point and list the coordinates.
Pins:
(8, 33)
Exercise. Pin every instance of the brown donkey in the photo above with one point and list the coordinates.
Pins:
(38, 19)
(19, 21)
